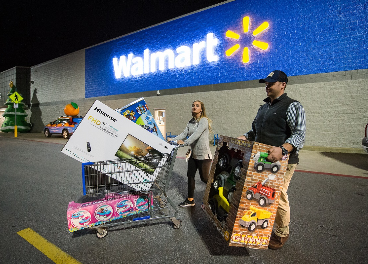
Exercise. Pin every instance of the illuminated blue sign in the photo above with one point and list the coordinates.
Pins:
(237, 41)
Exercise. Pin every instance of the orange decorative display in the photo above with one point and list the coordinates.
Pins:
(71, 109)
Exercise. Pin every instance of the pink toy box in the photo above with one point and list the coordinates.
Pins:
(111, 207)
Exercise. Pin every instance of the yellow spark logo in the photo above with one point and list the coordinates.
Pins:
(256, 43)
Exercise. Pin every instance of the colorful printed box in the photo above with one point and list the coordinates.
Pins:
(243, 191)
(111, 207)
(139, 113)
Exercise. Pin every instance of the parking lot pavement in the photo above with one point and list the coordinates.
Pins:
(329, 213)
(339, 164)
(58, 139)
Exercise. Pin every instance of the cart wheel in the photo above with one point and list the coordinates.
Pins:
(101, 232)
(176, 222)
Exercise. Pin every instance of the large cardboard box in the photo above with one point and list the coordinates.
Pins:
(243, 192)
(131, 154)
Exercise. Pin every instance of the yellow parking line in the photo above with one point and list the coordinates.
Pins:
(51, 251)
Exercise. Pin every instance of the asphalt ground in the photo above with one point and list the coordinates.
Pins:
(328, 217)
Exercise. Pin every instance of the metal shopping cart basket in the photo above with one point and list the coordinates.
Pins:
(117, 192)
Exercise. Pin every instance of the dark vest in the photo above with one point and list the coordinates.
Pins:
(271, 127)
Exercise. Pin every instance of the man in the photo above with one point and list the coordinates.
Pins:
(280, 122)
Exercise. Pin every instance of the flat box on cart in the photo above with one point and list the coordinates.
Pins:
(243, 192)
(106, 135)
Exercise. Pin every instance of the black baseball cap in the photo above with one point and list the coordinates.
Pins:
(275, 76)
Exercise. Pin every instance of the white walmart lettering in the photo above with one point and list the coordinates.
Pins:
(184, 56)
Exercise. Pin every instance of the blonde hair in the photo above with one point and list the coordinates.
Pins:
(203, 114)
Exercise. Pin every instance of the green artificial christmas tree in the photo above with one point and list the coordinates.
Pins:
(10, 118)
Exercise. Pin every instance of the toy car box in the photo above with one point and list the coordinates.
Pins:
(243, 191)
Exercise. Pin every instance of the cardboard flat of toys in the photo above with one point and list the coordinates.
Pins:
(243, 192)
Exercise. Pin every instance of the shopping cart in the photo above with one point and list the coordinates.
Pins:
(115, 195)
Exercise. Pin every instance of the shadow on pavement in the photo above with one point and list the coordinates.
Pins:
(357, 160)
(211, 237)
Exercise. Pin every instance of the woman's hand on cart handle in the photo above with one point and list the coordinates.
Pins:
(179, 143)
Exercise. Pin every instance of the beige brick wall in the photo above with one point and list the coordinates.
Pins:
(336, 112)
(55, 84)
(59, 79)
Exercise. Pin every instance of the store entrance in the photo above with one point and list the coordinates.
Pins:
(160, 120)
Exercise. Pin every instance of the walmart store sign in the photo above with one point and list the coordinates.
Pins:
(190, 51)
(181, 57)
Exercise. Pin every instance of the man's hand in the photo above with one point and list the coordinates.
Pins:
(242, 137)
(274, 154)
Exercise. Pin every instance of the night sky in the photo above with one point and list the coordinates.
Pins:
(33, 32)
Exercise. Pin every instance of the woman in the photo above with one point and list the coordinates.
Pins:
(196, 135)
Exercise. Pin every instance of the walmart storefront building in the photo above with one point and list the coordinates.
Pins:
(217, 55)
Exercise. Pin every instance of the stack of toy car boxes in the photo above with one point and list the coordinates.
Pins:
(243, 191)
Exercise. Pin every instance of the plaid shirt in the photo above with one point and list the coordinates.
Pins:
(295, 118)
